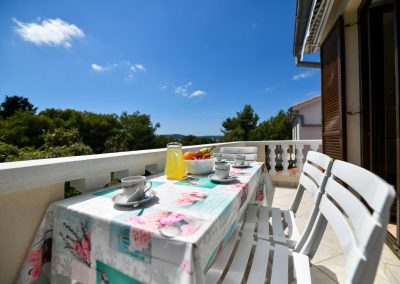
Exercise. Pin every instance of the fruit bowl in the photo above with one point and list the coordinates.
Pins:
(199, 167)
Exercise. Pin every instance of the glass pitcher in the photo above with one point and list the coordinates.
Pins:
(174, 167)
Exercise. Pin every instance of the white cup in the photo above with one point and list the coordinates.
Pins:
(134, 187)
(239, 160)
(222, 170)
(217, 156)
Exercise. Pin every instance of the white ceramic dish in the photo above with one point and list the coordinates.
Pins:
(199, 167)
(245, 165)
(216, 179)
(120, 199)
(202, 175)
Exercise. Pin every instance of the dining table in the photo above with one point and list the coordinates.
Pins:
(174, 237)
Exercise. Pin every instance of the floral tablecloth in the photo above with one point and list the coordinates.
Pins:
(172, 239)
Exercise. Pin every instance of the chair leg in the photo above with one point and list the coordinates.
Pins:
(314, 239)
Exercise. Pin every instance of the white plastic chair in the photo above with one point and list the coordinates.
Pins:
(360, 229)
(312, 179)
(229, 153)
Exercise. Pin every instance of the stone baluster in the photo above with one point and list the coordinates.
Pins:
(285, 159)
(261, 153)
(314, 147)
(299, 158)
(272, 159)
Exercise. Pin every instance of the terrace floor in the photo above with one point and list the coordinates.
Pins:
(329, 263)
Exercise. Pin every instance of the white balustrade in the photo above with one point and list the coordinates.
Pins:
(272, 159)
(280, 158)
(285, 159)
(299, 159)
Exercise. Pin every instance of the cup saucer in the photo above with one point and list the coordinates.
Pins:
(245, 165)
(215, 178)
(121, 199)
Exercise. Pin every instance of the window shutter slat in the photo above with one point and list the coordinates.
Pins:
(333, 93)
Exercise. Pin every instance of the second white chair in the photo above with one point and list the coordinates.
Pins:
(312, 179)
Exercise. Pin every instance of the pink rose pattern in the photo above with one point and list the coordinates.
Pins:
(35, 258)
(260, 195)
(143, 227)
(38, 256)
(239, 173)
(77, 242)
(189, 198)
(188, 229)
(185, 265)
(172, 219)
(245, 190)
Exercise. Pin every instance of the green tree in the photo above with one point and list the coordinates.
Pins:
(194, 140)
(97, 128)
(8, 152)
(24, 128)
(239, 128)
(278, 127)
(64, 143)
(62, 137)
(136, 133)
(13, 104)
(161, 141)
(94, 128)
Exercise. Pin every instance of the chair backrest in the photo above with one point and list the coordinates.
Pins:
(313, 177)
(229, 153)
(356, 204)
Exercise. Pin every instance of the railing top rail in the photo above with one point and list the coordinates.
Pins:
(22, 175)
(280, 142)
(51, 161)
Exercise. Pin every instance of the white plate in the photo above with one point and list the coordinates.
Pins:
(196, 175)
(216, 179)
(120, 199)
(170, 231)
(245, 165)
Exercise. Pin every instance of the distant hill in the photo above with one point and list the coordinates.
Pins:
(216, 137)
(180, 136)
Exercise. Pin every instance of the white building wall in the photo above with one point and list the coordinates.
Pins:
(352, 88)
(311, 113)
(310, 132)
(308, 123)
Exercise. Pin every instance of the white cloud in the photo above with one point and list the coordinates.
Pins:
(183, 90)
(133, 68)
(198, 93)
(123, 65)
(97, 68)
(52, 32)
(270, 89)
(303, 75)
(164, 87)
(100, 68)
(140, 67)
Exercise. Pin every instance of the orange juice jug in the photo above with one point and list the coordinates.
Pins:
(174, 167)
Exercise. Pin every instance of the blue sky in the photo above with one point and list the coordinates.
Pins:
(189, 64)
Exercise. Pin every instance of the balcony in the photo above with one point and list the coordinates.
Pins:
(27, 188)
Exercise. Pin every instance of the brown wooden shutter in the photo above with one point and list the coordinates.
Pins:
(333, 93)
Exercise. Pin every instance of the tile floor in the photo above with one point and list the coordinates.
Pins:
(328, 263)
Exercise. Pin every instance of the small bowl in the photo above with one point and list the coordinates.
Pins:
(199, 167)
